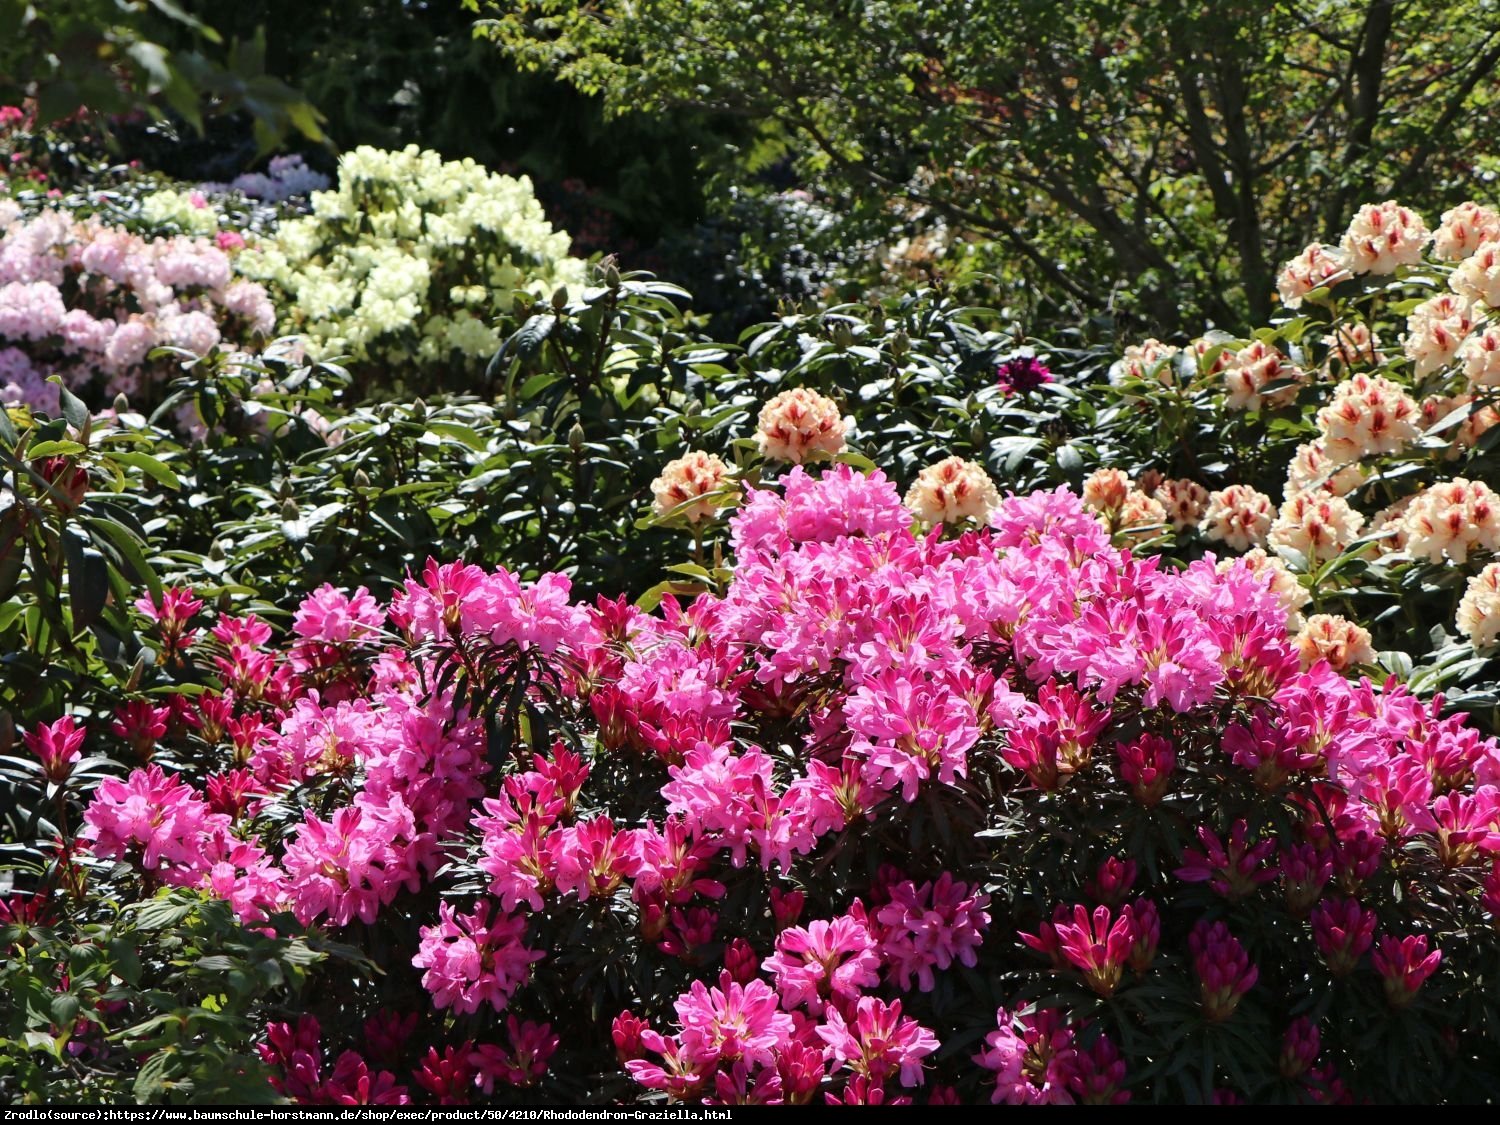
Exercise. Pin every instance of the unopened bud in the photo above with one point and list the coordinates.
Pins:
(560, 298)
(575, 438)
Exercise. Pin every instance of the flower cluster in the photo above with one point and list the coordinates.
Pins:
(410, 258)
(713, 761)
(89, 302)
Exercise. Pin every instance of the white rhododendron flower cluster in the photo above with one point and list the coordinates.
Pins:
(411, 258)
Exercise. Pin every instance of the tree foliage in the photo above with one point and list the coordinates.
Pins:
(1125, 155)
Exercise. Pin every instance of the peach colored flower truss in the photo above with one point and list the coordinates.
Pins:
(1238, 516)
(1341, 642)
(1105, 490)
(1383, 237)
(696, 476)
(800, 424)
(952, 491)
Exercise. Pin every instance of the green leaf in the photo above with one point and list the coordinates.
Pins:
(150, 1083)
(149, 465)
(54, 449)
(65, 1010)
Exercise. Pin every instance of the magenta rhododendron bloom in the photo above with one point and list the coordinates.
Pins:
(1032, 1058)
(1022, 374)
(732, 1022)
(1404, 964)
(1097, 946)
(1233, 868)
(833, 960)
(472, 960)
(1343, 930)
(927, 928)
(878, 1043)
(1224, 970)
(56, 746)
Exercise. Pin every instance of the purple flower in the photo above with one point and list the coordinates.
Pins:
(1022, 374)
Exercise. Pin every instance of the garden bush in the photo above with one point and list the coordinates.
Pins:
(406, 264)
(1004, 813)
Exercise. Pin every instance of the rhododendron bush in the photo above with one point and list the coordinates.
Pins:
(1004, 815)
(1349, 446)
(92, 303)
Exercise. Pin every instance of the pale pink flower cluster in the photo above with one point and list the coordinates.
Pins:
(1316, 267)
(1254, 368)
(1151, 360)
(1238, 516)
(1479, 609)
(692, 487)
(89, 302)
(1313, 470)
(1382, 237)
(800, 424)
(1316, 525)
(1464, 229)
(1436, 330)
(1367, 415)
(953, 491)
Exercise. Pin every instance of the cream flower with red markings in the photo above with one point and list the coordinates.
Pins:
(1238, 516)
(800, 424)
(1383, 237)
(1464, 229)
(952, 491)
(697, 476)
(1479, 610)
(1318, 265)
(1341, 642)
